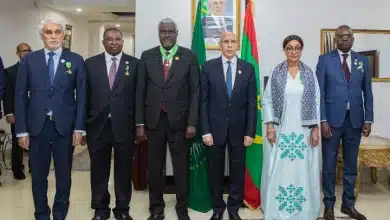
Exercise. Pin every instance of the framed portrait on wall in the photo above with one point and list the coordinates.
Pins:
(222, 16)
(67, 44)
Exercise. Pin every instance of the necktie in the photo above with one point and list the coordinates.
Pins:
(166, 72)
(50, 63)
(229, 79)
(112, 73)
(166, 66)
(345, 67)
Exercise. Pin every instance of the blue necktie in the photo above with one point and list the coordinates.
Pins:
(50, 63)
(229, 79)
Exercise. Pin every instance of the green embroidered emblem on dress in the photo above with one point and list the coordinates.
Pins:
(292, 146)
(290, 199)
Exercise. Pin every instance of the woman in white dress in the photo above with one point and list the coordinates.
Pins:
(291, 170)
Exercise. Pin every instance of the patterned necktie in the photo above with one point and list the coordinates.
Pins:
(345, 67)
(50, 63)
(112, 73)
(229, 79)
(166, 66)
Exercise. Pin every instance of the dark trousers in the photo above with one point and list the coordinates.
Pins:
(350, 143)
(157, 148)
(17, 154)
(100, 153)
(216, 160)
(42, 147)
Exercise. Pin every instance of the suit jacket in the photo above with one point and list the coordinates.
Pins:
(35, 97)
(180, 93)
(337, 91)
(119, 102)
(10, 77)
(2, 83)
(225, 117)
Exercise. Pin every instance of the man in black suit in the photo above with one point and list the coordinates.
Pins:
(228, 118)
(167, 108)
(111, 81)
(10, 75)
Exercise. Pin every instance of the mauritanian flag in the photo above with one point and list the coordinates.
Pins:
(199, 198)
(254, 153)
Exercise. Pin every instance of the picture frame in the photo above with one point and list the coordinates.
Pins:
(372, 60)
(67, 43)
(223, 15)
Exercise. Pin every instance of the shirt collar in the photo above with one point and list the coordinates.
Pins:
(57, 52)
(109, 56)
(233, 60)
(341, 53)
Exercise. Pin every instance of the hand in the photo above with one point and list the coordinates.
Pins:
(314, 137)
(84, 141)
(248, 141)
(190, 132)
(208, 140)
(366, 130)
(10, 119)
(140, 134)
(326, 130)
(271, 136)
(24, 142)
(77, 138)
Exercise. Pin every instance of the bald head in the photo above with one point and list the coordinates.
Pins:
(22, 50)
(344, 38)
(228, 44)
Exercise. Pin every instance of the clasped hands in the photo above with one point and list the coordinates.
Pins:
(140, 133)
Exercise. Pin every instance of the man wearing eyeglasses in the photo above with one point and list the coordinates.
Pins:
(346, 114)
(10, 75)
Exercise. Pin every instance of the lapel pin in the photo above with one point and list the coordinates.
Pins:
(176, 58)
(127, 62)
(239, 72)
(62, 61)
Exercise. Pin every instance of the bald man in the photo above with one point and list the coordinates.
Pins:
(228, 119)
(10, 75)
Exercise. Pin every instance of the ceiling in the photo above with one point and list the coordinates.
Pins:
(110, 14)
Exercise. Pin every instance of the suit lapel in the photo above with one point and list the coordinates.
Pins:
(120, 72)
(221, 77)
(45, 69)
(353, 69)
(158, 62)
(238, 77)
(174, 63)
(61, 67)
(337, 60)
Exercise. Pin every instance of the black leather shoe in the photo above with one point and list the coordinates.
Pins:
(353, 213)
(123, 217)
(217, 216)
(184, 217)
(98, 217)
(328, 214)
(234, 216)
(156, 217)
(19, 176)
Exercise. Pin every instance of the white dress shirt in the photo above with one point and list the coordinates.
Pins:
(225, 66)
(109, 61)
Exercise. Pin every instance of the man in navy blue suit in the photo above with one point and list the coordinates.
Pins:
(346, 114)
(50, 116)
(228, 118)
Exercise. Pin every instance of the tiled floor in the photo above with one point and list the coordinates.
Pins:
(16, 200)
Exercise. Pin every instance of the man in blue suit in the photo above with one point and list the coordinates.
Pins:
(346, 114)
(228, 118)
(50, 116)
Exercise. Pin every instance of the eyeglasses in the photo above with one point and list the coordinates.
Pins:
(342, 36)
(294, 49)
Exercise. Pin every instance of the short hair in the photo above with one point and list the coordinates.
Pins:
(113, 30)
(344, 27)
(167, 21)
(51, 21)
(290, 38)
(17, 47)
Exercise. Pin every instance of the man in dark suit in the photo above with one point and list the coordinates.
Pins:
(167, 108)
(10, 75)
(2, 84)
(50, 115)
(228, 118)
(111, 83)
(346, 113)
